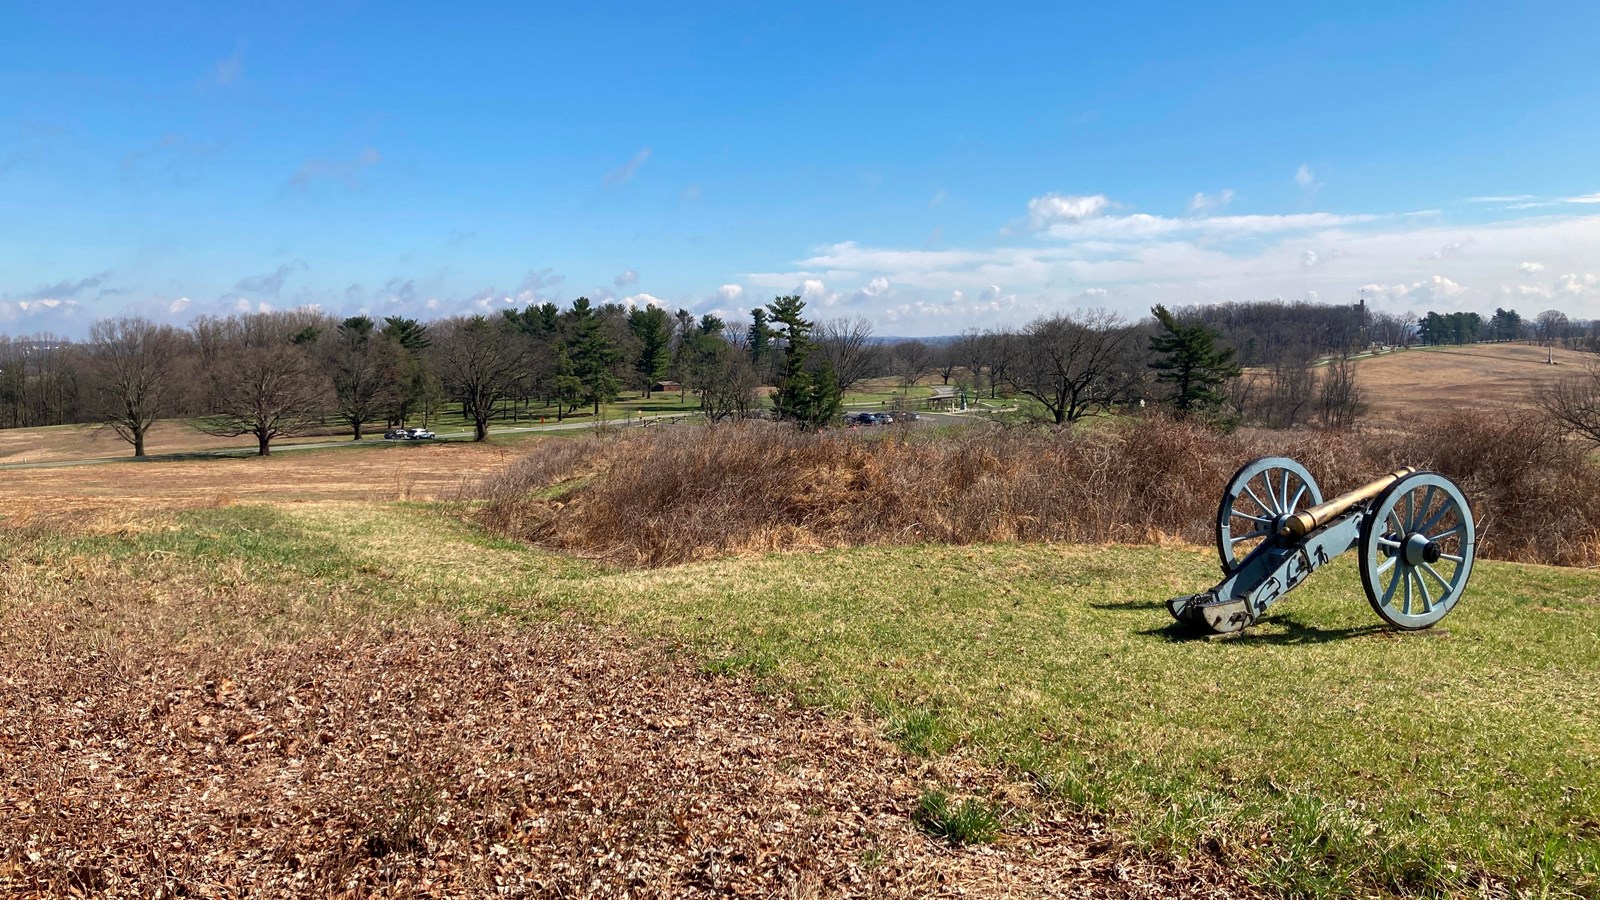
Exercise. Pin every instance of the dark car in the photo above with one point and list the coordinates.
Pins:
(398, 434)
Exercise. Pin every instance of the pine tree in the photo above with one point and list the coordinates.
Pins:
(592, 353)
(760, 339)
(1191, 361)
(650, 329)
(805, 396)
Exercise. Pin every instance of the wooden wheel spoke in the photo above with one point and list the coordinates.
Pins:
(1427, 598)
(1264, 507)
(1444, 509)
(1427, 567)
(1298, 496)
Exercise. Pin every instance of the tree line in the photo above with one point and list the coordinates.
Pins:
(267, 375)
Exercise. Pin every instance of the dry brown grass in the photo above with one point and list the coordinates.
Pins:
(401, 472)
(160, 739)
(70, 442)
(673, 497)
(1424, 384)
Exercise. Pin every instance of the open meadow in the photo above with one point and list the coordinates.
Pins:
(1441, 380)
(319, 672)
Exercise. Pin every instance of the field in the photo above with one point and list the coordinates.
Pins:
(1432, 380)
(173, 438)
(269, 676)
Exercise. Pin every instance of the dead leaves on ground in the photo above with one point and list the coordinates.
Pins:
(437, 761)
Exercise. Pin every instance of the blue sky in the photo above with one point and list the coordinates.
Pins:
(930, 168)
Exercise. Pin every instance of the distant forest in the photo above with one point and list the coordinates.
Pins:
(324, 370)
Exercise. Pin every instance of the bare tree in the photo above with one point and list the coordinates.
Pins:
(909, 360)
(133, 372)
(365, 367)
(269, 391)
(945, 362)
(737, 334)
(847, 344)
(1077, 364)
(1573, 403)
(969, 350)
(1340, 400)
(480, 363)
(1552, 324)
(1000, 348)
(728, 382)
(1281, 397)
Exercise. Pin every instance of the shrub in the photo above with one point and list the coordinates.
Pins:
(673, 496)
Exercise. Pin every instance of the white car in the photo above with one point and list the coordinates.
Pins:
(421, 434)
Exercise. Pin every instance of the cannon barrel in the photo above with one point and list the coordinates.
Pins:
(1303, 523)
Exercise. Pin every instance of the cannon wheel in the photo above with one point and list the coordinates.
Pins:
(1259, 493)
(1417, 547)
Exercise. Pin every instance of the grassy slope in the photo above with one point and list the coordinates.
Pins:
(1329, 755)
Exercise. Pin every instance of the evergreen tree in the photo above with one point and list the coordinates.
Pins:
(806, 394)
(419, 387)
(1190, 360)
(650, 328)
(592, 353)
(760, 339)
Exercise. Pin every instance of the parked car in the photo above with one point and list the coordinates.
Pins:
(398, 434)
(422, 434)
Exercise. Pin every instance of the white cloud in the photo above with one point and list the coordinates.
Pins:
(1430, 291)
(624, 173)
(875, 287)
(816, 294)
(1531, 268)
(347, 171)
(638, 300)
(1586, 198)
(1203, 203)
(1511, 198)
(730, 293)
(1409, 262)
(626, 278)
(938, 199)
(1051, 209)
(178, 306)
(1141, 226)
(1573, 284)
(1305, 177)
(227, 71)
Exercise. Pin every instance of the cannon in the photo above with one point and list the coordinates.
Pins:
(1413, 530)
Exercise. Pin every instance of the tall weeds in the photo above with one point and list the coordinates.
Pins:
(668, 497)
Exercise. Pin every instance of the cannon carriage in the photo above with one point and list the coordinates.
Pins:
(1413, 531)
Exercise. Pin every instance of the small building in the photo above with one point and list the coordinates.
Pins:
(666, 386)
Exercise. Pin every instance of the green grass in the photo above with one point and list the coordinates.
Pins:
(963, 822)
(1332, 754)
(1322, 753)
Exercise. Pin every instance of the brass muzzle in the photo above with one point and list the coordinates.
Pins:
(1306, 521)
